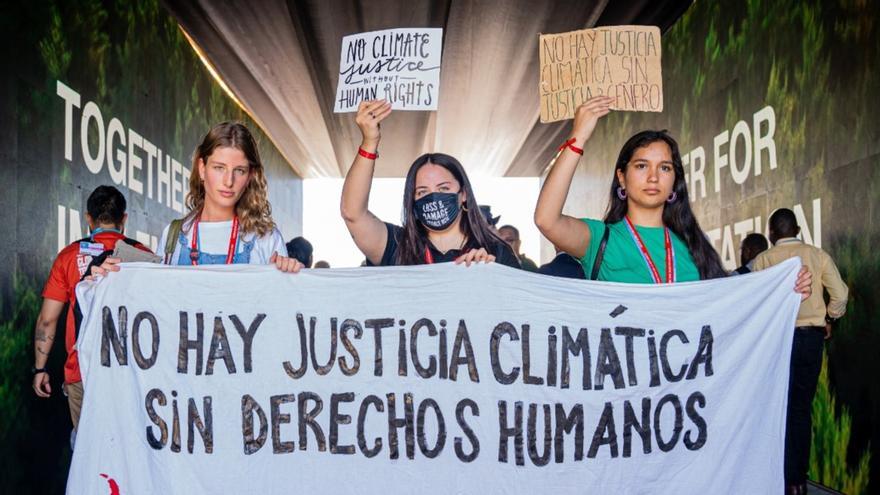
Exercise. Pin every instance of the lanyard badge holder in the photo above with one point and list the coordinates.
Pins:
(646, 256)
(196, 244)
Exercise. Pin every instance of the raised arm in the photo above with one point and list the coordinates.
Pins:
(369, 233)
(568, 233)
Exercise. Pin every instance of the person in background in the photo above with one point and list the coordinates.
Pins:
(322, 264)
(510, 234)
(812, 328)
(300, 249)
(105, 214)
(486, 210)
(563, 265)
(753, 245)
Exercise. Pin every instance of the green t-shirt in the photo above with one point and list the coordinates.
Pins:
(624, 263)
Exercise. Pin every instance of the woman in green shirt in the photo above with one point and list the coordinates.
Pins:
(653, 235)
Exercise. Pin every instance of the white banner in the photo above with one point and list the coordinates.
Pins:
(399, 65)
(430, 379)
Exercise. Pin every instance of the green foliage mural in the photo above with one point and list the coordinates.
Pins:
(15, 356)
(831, 439)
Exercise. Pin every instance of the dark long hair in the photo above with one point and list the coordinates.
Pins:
(677, 215)
(414, 239)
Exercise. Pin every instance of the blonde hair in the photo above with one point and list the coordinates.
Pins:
(253, 208)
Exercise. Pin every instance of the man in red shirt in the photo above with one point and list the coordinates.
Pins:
(105, 214)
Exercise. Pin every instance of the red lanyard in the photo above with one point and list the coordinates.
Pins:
(670, 254)
(233, 241)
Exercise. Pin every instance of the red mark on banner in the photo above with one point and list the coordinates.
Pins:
(114, 487)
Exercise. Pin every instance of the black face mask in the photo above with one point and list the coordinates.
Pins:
(437, 211)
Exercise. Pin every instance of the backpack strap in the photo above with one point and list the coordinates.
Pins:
(99, 260)
(171, 241)
(600, 254)
(77, 318)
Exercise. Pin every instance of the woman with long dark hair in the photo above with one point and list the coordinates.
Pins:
(441, 219)
(649, 233)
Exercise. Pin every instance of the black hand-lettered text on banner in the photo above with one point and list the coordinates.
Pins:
(538, 380)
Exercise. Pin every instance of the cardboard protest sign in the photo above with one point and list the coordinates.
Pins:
(620, 61)
(398, 380)
(399, 65)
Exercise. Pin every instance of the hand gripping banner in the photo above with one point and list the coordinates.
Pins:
(430, 379)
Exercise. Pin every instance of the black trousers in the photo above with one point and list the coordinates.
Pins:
(806, 363)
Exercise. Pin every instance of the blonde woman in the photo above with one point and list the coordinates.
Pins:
(230, 219)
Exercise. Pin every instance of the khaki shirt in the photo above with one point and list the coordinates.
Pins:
(825, 276)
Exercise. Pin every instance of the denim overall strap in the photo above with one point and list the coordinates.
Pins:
(242, 255)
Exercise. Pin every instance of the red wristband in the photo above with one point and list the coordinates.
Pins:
(570, 145)
(366, 154)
